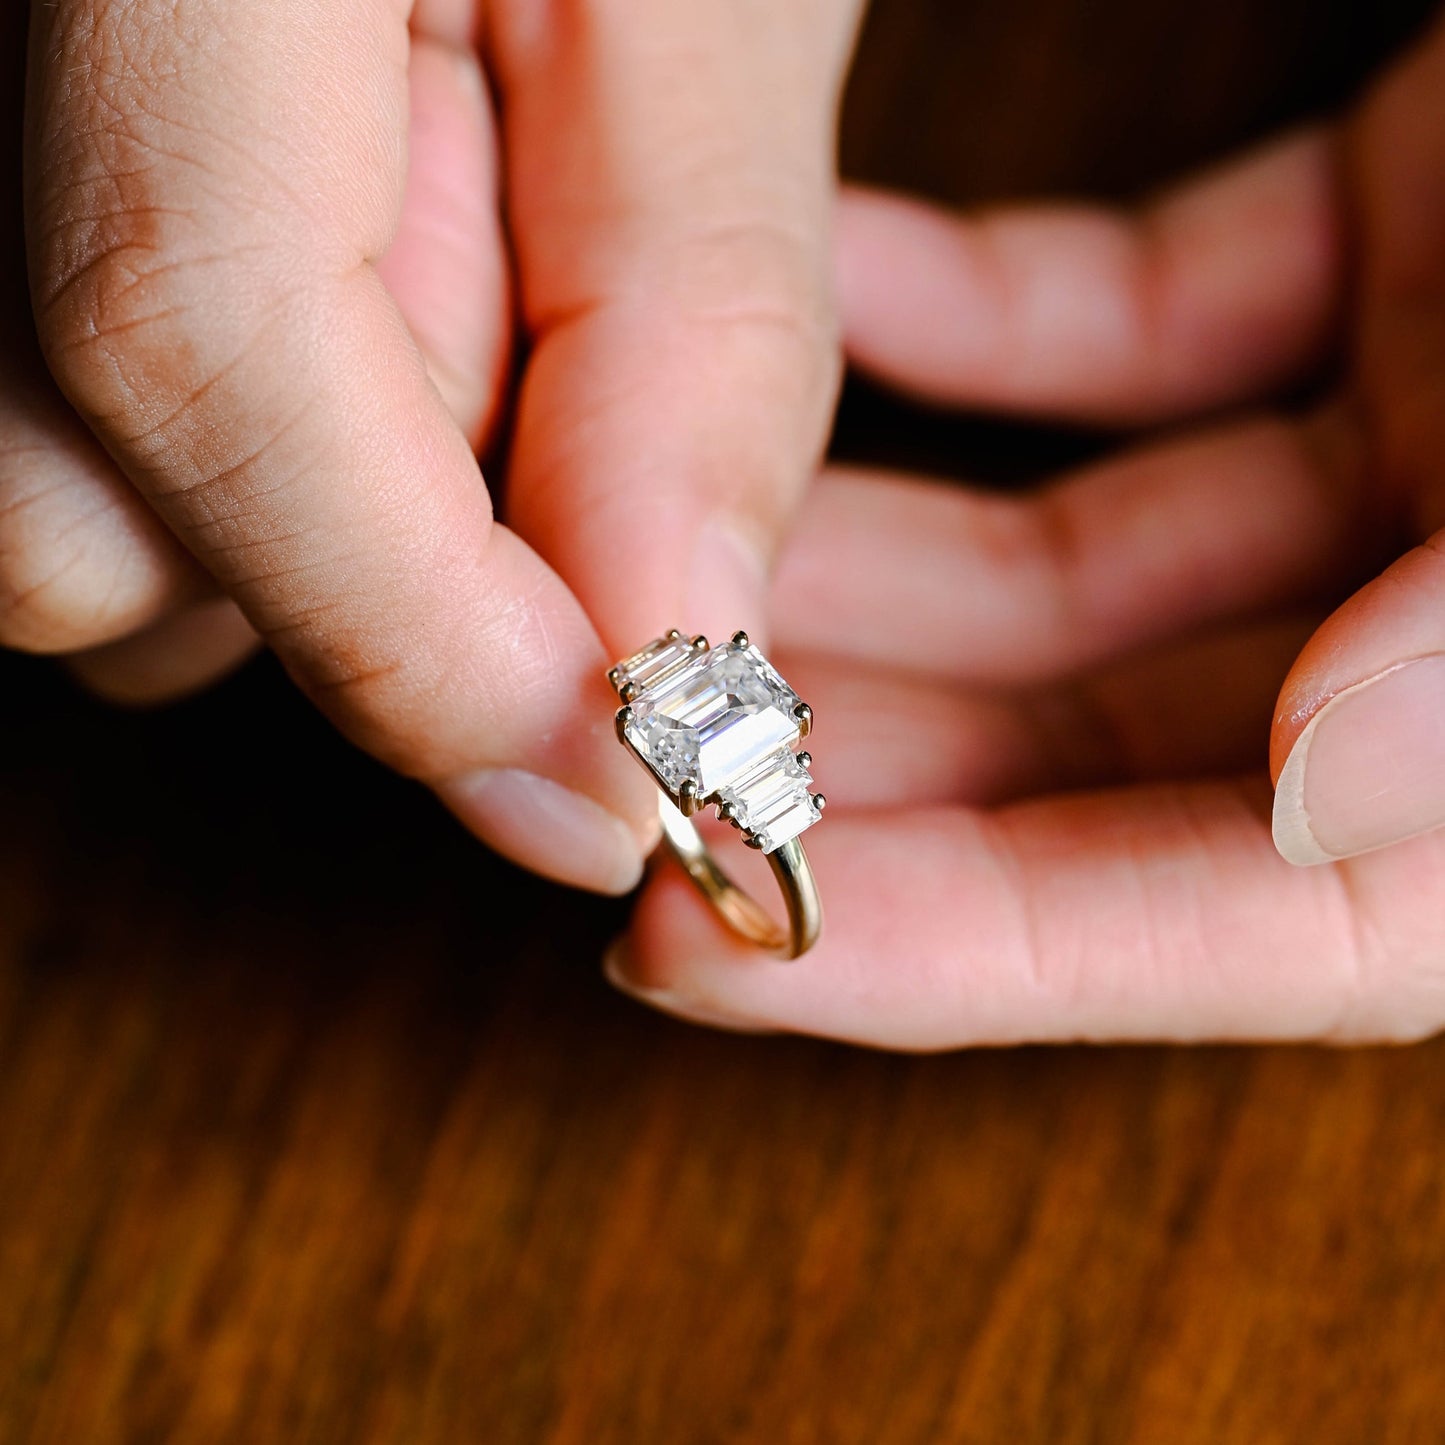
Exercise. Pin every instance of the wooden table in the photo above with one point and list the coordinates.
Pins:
(317, 1124)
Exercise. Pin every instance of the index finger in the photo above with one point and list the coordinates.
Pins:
(670, 184)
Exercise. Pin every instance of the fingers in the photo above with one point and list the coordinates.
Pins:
(1159, 913)
(1198, 707)
(207, 299)
(1215, 291)
(669, 184)
(992, 589)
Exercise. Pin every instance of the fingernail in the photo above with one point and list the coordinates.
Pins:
(1369, 769)
(547, 828)
(727, 583)
(616, 965)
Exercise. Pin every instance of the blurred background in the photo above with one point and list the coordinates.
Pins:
(318, 1123)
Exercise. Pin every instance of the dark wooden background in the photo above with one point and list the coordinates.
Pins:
(317, 1124)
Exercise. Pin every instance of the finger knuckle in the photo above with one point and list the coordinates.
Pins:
(752, 302)
(151, 258)
(152, 341)
(136, 305)
(761, 274)
(105, 150)
(110, 333)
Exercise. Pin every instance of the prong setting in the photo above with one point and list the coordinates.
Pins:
(717, 727)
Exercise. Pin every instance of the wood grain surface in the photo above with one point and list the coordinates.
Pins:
(318, 1124)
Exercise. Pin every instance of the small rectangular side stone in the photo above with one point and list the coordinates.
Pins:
(773, 802)
(655, 663)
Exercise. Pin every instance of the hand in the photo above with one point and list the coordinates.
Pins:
(1041, 720)
(268, 275)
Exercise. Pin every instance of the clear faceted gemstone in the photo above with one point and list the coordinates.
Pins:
(713, 720)
(655, 662)
(801, 813)
(772, 801)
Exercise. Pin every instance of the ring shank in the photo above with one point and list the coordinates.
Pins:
(739, 910)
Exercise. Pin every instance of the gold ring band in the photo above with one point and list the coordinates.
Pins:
(739, 910)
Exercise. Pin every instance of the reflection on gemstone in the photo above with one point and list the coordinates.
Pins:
(654, 663)
(723, 720)
(772, 801)
(711, 721)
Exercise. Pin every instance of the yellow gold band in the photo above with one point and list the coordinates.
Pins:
(740, 911)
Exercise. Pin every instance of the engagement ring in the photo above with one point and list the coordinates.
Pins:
(717, 726)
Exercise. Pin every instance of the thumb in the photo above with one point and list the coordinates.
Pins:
(669, 183)
(1359, 735)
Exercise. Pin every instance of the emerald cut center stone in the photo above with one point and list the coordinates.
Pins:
(712, 719)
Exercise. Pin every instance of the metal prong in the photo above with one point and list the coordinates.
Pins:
(740, 640)
(673, 634)
(624, 716)
(612, 676)
(724, 813)
(804, 715)
(805, 760)
(688, 801)
(628, 692)
(699, 643)
(819, 801)
(751, 841)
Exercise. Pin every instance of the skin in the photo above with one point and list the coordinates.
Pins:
(268, 324)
